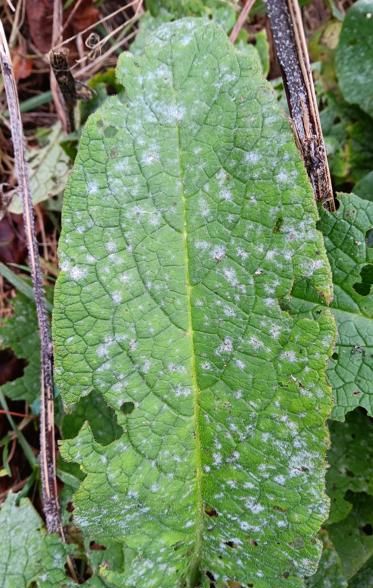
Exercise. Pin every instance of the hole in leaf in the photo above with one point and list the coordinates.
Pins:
(211, 577)
(96, 546)
(367, 529)
(253, 542)
(335, 356)
(110, 132)
(127, 407)
(278, 224)
(211, 512)
(231, 544)
(369, 237)
(286, 574)
(366, 274)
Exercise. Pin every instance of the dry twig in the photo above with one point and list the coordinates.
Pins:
(241, 20)
(47, 439)
(291, 50)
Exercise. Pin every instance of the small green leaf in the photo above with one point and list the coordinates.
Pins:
(186, 221)
(49, 167)
(20, 333)
(364, 187)
(354, 59)
(351, 462)
(27, 553)
(353, 537)
(346, 235)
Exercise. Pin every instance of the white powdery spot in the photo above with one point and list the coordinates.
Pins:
(275, 331)
(176, 369)
(256, 343)
(228, 311)
(225, 347)
(313, 265)
(206, 365)
(133, 344)
(78, 273)
(240, 364)
(146, 366)
(230, 275)
(219, 252)
(253, 157)
(111, 246)
(226, 195)
(117, 297)
(92, 187)
(289, 356)
(280, 479)
(282, 177)
(241, 253)
(182, 391)
(174, 113)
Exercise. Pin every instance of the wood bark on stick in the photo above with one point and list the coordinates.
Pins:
(291, 49)
(47, 439)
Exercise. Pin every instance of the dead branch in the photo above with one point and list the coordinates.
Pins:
(241, 20)
(291, 49)
(47, 438)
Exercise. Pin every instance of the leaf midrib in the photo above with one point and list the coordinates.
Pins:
(194, 568)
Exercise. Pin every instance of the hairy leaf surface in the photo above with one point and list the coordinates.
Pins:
(187, 219)
(347, 241)
(354, 58)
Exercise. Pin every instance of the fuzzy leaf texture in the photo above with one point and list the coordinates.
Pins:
(187, 219)
(347, 235)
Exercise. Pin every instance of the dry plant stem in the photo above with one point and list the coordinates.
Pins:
(241, 20)
(47, 439)
(61, 109)
(102, 20)
(291, 49)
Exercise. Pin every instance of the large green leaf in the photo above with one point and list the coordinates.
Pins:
(346, 235)
(354, 57)
(187, 218)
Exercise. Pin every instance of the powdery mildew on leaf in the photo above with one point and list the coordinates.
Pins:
(187, 218)
(347, 235)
